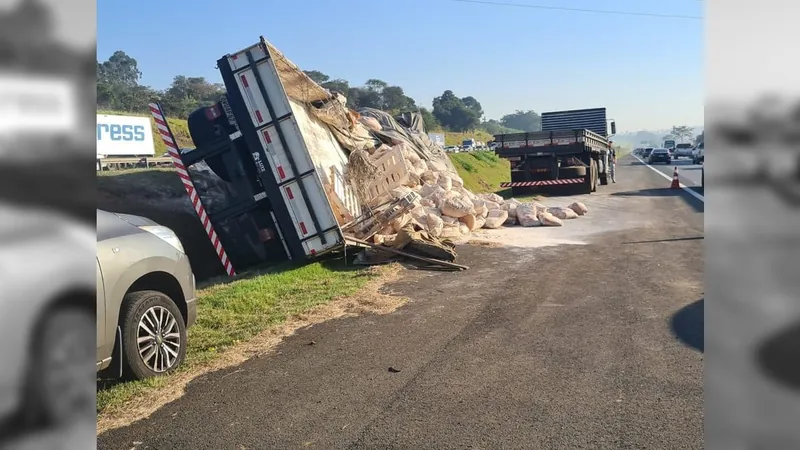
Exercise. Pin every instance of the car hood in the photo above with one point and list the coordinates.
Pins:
(58, 248)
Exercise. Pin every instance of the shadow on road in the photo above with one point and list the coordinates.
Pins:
(688, 325)
(696, 204)
(657, 192)
(693, 238)
(778, 357)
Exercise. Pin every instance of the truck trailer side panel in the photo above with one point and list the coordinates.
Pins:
(592, 119)
(295, 154)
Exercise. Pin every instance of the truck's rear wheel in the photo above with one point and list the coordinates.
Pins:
(589, 180)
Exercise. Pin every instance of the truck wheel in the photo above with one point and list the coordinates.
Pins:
(588, 183)
(153, 335)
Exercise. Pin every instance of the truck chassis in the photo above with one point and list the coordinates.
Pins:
(577, 158)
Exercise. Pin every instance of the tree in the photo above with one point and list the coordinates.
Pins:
(376, 85)
(451, 112)
(473, 105)
(186, 94)
(369, 99)
(682, 132)
(493, 126)
(337, 85)
(317, 76)
(395, 100)
(119, 70)
(522, 120)
(430, 121)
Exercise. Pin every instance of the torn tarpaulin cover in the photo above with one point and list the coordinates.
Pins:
(394, 133)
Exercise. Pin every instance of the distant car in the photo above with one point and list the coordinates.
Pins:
(659, 155)
(698, 156)
(646, 152)
(145, 296)
(47, 308)
(683, 151)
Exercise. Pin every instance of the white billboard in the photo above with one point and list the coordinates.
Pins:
(437, 138)
(37, 104)
(124, 136)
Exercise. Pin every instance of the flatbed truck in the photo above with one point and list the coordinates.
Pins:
(571, 151)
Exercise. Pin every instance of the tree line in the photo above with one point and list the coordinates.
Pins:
(680, 133)
(119, 89)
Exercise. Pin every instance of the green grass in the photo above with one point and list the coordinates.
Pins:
(234, 312)
(455, 138)
(481, 171)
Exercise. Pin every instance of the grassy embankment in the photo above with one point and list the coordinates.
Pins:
(454, 138)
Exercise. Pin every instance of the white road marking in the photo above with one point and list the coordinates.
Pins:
(683, 186)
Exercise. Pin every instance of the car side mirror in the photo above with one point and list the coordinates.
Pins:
(613, 127)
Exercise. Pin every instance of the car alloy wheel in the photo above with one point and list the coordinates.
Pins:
(158, 339)
(60, 387)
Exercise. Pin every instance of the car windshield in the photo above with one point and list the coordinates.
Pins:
(660, 150)
(684, 146)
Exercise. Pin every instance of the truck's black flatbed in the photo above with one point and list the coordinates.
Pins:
(554, 142)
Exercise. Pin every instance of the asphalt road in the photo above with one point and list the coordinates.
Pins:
(573, 346)
(753, 277)
(689, 174)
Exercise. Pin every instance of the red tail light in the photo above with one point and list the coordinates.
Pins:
(212, 112)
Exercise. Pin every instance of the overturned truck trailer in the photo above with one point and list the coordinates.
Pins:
(266, 177)
(281, 167)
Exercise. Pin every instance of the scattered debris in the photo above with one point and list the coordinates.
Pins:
(393, 370)
(486, 244)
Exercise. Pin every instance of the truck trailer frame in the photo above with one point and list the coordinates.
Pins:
(577, 158)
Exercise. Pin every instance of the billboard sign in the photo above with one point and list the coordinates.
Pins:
(124, 136)
(437, 138)
(37, 104)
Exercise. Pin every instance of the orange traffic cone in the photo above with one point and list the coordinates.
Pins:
(675, 183)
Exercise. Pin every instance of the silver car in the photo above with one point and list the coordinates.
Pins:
(46, 319)
(145, 297)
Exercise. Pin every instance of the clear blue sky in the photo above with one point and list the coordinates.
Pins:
(648, 71)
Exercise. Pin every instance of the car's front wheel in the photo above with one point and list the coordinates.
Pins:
(60, 386)
(153, 335)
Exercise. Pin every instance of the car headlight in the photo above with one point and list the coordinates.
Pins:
(166, 235)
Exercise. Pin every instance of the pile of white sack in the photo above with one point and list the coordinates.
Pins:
(449, 211)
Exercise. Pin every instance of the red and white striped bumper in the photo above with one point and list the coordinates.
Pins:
(543, 182)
